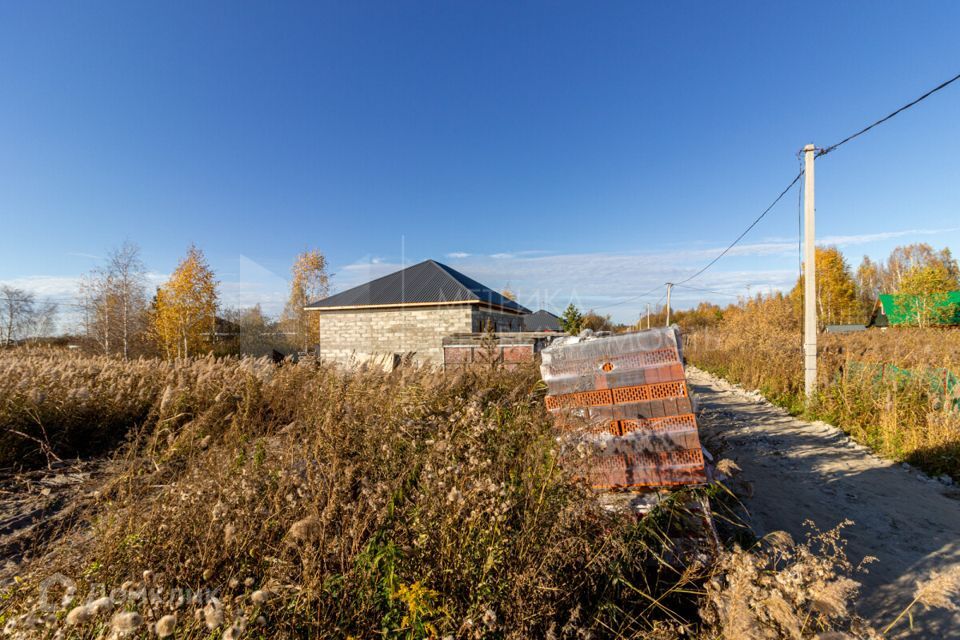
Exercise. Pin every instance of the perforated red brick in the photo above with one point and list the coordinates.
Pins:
(667, 424)
(668, 468)
(648, 392)
(643, 359)
(597, 397)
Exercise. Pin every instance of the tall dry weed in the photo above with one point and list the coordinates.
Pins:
(303, 500)
(784, 589)
(893, 390)
(250, 500)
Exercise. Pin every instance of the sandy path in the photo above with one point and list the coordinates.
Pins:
(36, 505)
(800, 470)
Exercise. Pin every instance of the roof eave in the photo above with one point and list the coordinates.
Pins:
(395, 305)
(402, 305)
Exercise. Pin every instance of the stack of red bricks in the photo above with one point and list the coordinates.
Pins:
(627, 394)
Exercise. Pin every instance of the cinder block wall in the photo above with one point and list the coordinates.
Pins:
(353, 336)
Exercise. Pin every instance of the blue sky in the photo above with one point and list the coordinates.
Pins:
(573, 151)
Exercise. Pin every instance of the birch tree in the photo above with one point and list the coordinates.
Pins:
(114, 301)
(16, 310)
(310, 282)
(22, 317)
(837, 301)
(186, 305)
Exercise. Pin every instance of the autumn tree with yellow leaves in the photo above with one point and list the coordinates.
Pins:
(310, 282)
(837, 299)
(185, 307)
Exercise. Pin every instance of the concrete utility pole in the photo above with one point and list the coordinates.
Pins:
(669, 288)
(809, 277)
(648, 315)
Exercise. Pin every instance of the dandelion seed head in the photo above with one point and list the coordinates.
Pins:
(213, 614)
(489, 618)
(101, 605)
(166, 625)
(126, 622)
(79, 615)
(305, 530)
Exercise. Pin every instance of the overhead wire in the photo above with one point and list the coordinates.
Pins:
(632, 299)
(745, 231)
(722, 253)
(821, 152)
(714, 291)
(833, 147)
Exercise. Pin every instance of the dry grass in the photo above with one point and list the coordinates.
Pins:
(257, 501)
(885, 388)
(783, 589)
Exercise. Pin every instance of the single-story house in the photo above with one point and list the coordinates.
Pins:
(404, 316)
(903, 310)
(541, 320)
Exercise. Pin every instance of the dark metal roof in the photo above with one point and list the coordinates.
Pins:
(542, 320)
(426, 282)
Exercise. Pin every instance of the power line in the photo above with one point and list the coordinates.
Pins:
(719, 293)
(639, 297)
(745, 231)
(722, 253)
(833, 147)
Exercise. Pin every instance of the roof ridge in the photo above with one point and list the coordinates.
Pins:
(449, 271)
(428, 280)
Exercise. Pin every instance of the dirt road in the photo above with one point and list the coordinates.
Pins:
(800, 470)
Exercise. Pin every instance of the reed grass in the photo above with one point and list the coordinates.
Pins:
(243, 499)
(889, 389)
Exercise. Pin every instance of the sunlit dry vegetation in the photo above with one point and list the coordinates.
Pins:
(895, 390)
(243, 498)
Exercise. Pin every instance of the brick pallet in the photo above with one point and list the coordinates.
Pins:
(627, 395)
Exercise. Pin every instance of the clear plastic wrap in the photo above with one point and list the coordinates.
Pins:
(626, 397)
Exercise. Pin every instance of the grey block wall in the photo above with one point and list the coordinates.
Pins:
(355, 336)
(364, 335)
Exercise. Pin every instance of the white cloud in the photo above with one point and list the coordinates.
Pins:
(59, 287)
(867, 238)
(609, 282)
(363, 270)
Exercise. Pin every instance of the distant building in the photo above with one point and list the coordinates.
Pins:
(845, 328)
(404, 316)
(899, 310)
(541, 320)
